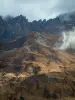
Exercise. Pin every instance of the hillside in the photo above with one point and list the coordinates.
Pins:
(37, 70)
(34, 65)
(14, 30)
(38, 51)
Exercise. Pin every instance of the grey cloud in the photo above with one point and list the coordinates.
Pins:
(36, 9)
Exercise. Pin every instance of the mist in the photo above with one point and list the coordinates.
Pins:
(68, 40)
(36, 9)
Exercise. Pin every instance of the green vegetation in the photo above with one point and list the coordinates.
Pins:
(69, 98)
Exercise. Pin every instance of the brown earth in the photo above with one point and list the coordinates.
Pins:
(37, 70)
(38, 51)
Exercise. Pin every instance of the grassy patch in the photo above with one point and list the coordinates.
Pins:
(69, 98)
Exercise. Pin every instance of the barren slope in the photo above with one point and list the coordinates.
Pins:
(38, 51)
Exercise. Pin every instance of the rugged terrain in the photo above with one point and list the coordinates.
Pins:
(13, 27)
(32, 65)
(14, 30)
(38, 50)
(37, 70)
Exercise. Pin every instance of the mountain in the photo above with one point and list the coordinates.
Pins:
(13, 30)
(20, 26)
(31, 65)
(38, 51)
(67, 16)
(15, 27)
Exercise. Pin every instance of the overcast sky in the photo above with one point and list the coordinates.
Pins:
(36, 9)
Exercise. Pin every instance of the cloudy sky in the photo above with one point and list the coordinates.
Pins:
(36, 9)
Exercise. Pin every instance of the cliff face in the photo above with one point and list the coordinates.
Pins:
(14, 31)
(19, 26)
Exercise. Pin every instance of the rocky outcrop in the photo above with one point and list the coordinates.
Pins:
(20, 26)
